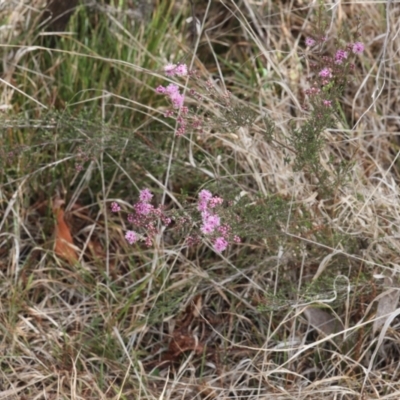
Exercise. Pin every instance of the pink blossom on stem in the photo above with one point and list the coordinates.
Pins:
(212, 220)
(327, 103)
(169, 113)
(143, 208)
(340, 56)
(202, 205)
(205, 195)
(215, 201)
(181, 70)
(204, 198)
(181, 130)
(312, 91)
(177, 99)
(131, 237)
(115, 207)
(173, 69)
(220, 244)
(170, 69)
(325, 73)
(358, 48)
(207, 229)
(310, 41)
(166, 220)
(145, 195)
(224, 229)
(171, 89)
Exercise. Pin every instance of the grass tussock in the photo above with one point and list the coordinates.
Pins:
(303, 306)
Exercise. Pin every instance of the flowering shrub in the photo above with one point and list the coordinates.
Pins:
(211, 221)
(233, 115)
(333, 72)
(328, 79)
(146, 218)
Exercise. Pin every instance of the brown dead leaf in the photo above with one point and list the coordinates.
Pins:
(63, 243)
(323, 321)
(183, 341)
(193, 332)
(387, 304)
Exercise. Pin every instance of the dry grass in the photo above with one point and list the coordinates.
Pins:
(305, 311)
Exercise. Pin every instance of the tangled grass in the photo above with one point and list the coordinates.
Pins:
(304, 307)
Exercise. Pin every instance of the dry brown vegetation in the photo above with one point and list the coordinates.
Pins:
(305, 307)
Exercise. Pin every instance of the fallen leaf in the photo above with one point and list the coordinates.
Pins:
(323, 321)
(387, 304)
(183, 341)
(63, 243)
(193, 332)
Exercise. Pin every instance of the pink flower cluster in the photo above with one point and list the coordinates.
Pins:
(115, 207)
(330, 69)
(310, 42)
(172, 91)
(357, 48)
(325, 73)
(181, 112)
(146, 217)
(178, 70)
(177, 98)
(211, 221)
(340, 56)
